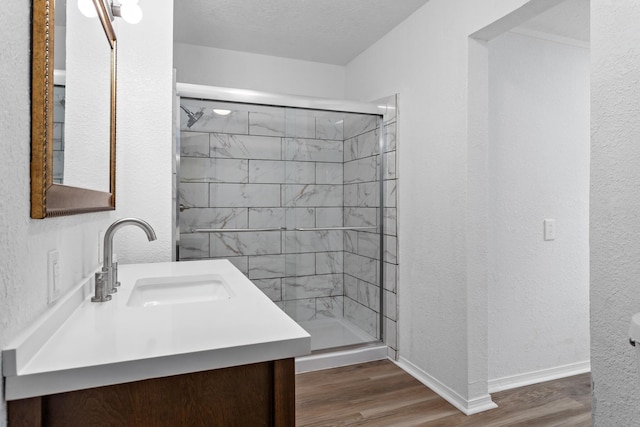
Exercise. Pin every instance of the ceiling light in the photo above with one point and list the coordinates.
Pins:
(221, 112)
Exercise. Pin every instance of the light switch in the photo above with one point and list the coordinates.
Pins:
(549, 229)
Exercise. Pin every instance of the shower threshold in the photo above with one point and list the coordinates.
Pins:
(330, 333)
(337, 342)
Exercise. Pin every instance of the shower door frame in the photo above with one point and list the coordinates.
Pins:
(245, 96)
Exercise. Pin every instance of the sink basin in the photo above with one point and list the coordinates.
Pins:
(156, 291)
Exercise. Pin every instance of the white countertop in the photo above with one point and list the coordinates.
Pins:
(110, 343)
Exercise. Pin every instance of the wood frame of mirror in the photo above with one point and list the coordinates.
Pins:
(49, 199)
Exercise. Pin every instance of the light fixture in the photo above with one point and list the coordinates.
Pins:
(221, 112)
(126, 9)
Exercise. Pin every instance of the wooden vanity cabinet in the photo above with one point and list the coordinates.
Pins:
(261, 394)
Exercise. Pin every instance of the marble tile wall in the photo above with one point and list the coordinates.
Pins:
(390, 214)
(361, 204)
(263, 167)
(361, 209)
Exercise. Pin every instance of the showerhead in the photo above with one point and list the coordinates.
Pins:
(193, 117)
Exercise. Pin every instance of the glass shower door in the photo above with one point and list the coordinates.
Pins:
(332, 241)
(292, 198)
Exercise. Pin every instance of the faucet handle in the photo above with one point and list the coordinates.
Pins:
(101, 288)
(115, 271)
(114, 275)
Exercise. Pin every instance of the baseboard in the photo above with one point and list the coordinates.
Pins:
(535, 377)
(468, 407)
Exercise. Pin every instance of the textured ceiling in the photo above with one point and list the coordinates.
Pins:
(569, 19)
(329, 31)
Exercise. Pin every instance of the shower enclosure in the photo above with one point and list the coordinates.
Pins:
(292, 196)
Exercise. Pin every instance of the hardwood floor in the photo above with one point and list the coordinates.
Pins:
(381, 394)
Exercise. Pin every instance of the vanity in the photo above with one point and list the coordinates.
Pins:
(188, 343)
(180, 343)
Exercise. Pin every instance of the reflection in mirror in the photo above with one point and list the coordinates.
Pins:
(87, 64)
(58, 133)
(73, 124)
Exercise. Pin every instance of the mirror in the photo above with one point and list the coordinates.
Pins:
(82, 139)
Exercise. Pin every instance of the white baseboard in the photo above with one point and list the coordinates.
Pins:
(468, 407)
(535, 377)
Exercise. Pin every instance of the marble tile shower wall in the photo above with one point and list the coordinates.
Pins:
(262, 167)
(361, 209)
(390, 227)
(268, 168)
(361, 203)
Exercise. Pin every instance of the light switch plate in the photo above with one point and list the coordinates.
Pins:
(53, 276)
(549, 229)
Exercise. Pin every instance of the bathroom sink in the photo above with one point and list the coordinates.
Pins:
(156, 291)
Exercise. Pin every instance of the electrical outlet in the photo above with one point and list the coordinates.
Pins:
(53, 276)
(549, 229)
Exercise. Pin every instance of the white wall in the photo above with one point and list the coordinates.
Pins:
(443, 309)
(144, 168)
(538, 168)
(615, 209)
(425, 60)
(24, 242)
(227, 68)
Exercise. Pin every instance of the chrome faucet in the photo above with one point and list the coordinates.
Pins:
(107, 279)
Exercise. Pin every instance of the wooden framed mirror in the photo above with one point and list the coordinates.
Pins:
(48, 198)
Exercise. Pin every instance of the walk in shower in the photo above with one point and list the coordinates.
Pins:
(293, 197)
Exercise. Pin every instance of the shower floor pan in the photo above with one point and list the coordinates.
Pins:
(334, 332)
(338, 342)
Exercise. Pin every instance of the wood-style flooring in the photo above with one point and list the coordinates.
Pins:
(381, 394)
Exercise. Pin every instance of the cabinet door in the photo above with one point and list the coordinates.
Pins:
(261, 394)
